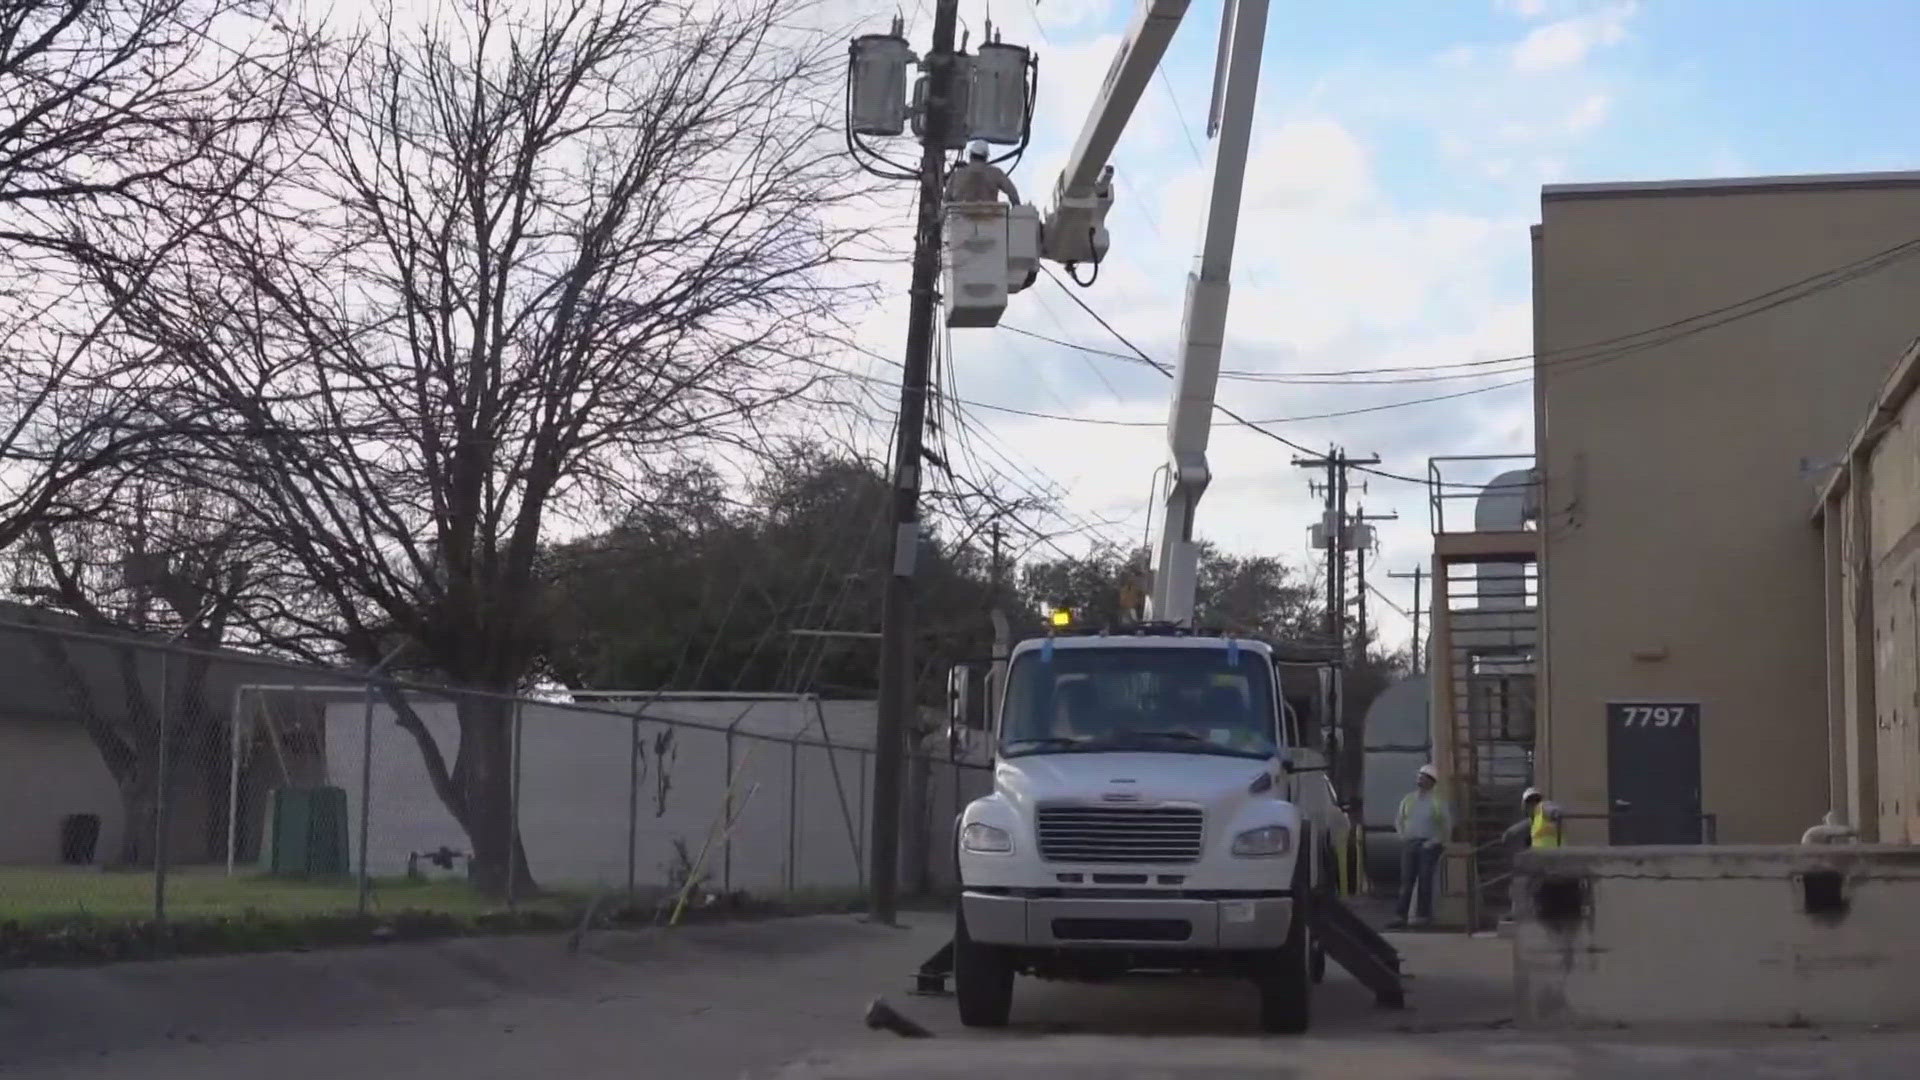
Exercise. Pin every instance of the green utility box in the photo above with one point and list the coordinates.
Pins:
(308, 832)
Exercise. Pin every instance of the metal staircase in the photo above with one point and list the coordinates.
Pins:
(1484, 650)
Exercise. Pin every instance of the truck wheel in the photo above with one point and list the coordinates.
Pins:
(982, 979)
(1286, 982)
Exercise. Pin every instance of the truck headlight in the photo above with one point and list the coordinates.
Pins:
(1264, 842)
(985, 839)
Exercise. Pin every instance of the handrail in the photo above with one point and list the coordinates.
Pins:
(1438, 494)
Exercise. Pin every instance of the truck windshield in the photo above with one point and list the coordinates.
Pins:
(1177, 700)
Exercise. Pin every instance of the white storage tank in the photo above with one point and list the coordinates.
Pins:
(997, 100)
(877, 83)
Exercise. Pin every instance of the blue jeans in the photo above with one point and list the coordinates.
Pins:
(1418, 861)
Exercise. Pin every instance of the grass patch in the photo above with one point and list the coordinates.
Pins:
(42, 895)
(52, 916)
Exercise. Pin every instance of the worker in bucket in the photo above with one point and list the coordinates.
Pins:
(1423, 823)
(979, 180)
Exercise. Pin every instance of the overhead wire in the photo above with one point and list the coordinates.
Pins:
(1593, 354)
(1299, 378)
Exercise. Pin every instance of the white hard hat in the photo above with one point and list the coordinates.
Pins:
(977, 148)
(1427, 771)
(1529, 794)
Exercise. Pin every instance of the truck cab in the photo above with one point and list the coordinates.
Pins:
(1155, 808)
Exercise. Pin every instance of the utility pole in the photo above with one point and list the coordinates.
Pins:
(1418, 573)
(1348, 756)
(1002, 633)
(1363, 535)
(1332, 536)
(896, 704)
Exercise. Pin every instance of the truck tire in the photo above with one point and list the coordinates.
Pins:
(982, 978)
(1286, 979)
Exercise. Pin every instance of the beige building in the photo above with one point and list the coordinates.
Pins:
(1705, 352)
(1869, 518)
(1643, 620)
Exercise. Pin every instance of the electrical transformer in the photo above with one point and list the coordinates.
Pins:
(877, 84)
(997, 100)
(962, 91)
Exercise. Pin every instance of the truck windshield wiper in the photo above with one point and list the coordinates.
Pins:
(1184, 736)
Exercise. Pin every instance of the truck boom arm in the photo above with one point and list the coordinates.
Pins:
(1076, 226)
(1076, 232)
(1204, 323)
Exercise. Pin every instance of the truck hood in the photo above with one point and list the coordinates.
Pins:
(1208, 780)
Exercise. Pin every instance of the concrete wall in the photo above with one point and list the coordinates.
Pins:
(49, 769)
(1678, 564)
(803, 827)
(1718, 935)
(1870, 527)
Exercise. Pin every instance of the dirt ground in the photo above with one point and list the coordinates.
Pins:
(785, 998)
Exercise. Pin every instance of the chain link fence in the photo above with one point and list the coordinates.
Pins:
(148, 780)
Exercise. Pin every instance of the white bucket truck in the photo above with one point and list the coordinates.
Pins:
(1146, 817)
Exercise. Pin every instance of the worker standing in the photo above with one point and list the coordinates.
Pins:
(1545, 828)
(979, 180)
(1423, 823)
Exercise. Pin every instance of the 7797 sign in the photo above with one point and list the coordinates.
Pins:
(1655, 715)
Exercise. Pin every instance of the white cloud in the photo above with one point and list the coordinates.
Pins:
(1589, 114)
(1526, 9)
(1340, 264)
(1565, 43)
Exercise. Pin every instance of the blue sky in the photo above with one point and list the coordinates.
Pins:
(1399, 152)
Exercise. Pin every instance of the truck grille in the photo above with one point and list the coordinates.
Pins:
(1113, 834)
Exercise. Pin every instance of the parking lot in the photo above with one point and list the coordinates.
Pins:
(785, 999)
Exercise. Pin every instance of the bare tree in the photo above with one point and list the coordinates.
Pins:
(156, 566)
(541, 252)
(124, 124)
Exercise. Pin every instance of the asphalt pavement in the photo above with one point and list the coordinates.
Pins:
(783, 1000)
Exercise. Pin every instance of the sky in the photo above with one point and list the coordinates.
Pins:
(1399, 149)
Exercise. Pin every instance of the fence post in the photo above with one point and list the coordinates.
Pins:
(233, 781)
(513, 816)
(866, 763)
(633, 808)
(793, 816)
(726, 818)
(164, 728)
(366, 796)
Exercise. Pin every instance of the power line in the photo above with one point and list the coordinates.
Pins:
(1106, 422)
(1777, 297)
(1820, 281)
(1308, 378)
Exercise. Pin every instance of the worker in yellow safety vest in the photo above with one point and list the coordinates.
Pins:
(1544, 824)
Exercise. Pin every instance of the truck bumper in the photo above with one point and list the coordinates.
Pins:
(1174, 923)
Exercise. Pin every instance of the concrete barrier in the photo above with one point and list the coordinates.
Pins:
(1718, 935)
